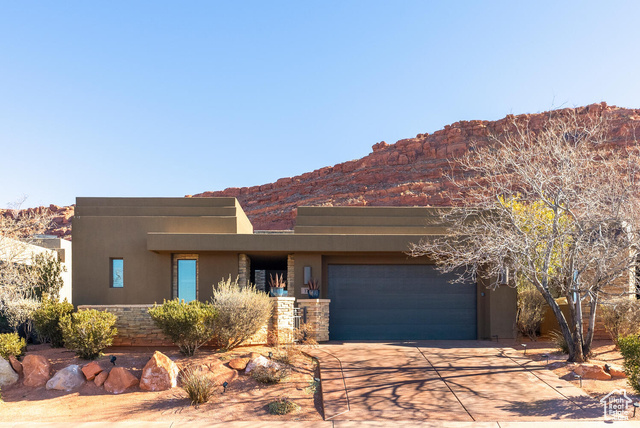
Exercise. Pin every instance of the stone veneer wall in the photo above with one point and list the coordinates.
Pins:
(290, 274)
(282, 323)
(136, 328)
(134, 324)
(317, 317)
(244, 270)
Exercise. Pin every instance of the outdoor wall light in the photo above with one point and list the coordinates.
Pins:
(307, 274)
(577, 376)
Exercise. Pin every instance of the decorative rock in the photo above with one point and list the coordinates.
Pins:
(239, 363)
(17, 365)
(91, 369)
(254, 355)
(7, 375)
(592, 371)
(119, 380)
(616, 372)
(36, 369)
(221, 373)
(67, 379)
(260, 362)
(159, 373)
(101, 377)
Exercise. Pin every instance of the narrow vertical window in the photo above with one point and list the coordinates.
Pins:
(187, 275)
(117, 273)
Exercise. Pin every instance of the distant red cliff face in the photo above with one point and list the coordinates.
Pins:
(60, 218)
(411, 172)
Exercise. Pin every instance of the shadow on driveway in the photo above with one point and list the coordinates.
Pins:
(453, 381)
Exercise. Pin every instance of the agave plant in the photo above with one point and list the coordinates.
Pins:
(313, 284)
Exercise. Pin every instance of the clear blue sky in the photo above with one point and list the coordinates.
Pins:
(154, 98)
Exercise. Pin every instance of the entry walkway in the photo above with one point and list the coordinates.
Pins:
(463, 381)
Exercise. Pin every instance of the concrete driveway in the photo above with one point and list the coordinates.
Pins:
(444, 380)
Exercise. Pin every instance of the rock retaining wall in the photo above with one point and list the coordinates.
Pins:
(136, 328)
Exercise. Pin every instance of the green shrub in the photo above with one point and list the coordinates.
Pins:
(188, 325)
(558, 339)
(270, 375)
(88, 332)
(12, 344)
(48, 271)
(531, 310)
(47, 318)
(630, 350)
(282, 406)
(198, 387)
(242, 311)
(621, 317)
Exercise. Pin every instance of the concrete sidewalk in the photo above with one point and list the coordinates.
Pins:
(450, 381)
(328, 424)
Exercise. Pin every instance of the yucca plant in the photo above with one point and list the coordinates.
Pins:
(199, 388)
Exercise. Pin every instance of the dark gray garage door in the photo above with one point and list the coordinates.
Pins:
(393, 302)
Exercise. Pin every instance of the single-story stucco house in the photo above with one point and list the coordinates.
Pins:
(144, 250)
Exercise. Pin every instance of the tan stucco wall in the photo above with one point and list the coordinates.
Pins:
(369, 220)
(300, 261)
(105, 228)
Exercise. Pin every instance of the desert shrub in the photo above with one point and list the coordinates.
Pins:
(48, 275)
(198, 387)
(11, 344)
(630, 350)
(282, 406)
(242, 311)
(270, 375)
(531, 310)
(188, 325)
(559, 341)
(88, 332)
(19, 312)
(46, 320)
(285, 355)
(621, 317)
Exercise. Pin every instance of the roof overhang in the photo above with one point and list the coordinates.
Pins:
(193, 242)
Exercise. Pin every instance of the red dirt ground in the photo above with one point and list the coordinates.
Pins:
(604, 351)
(244, 399)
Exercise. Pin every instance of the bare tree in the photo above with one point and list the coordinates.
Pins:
(555, 201)
(18, 279)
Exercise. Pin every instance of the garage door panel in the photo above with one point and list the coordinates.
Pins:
(415, 302)
(417, 316)
(366, 333)
(389, 302)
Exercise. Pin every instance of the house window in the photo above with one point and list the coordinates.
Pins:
(117, 273)
(187, 279)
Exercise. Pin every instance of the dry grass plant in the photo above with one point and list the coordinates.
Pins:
(241, 313)
(199, 387)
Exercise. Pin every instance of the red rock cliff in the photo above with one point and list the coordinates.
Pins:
(408, 173)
